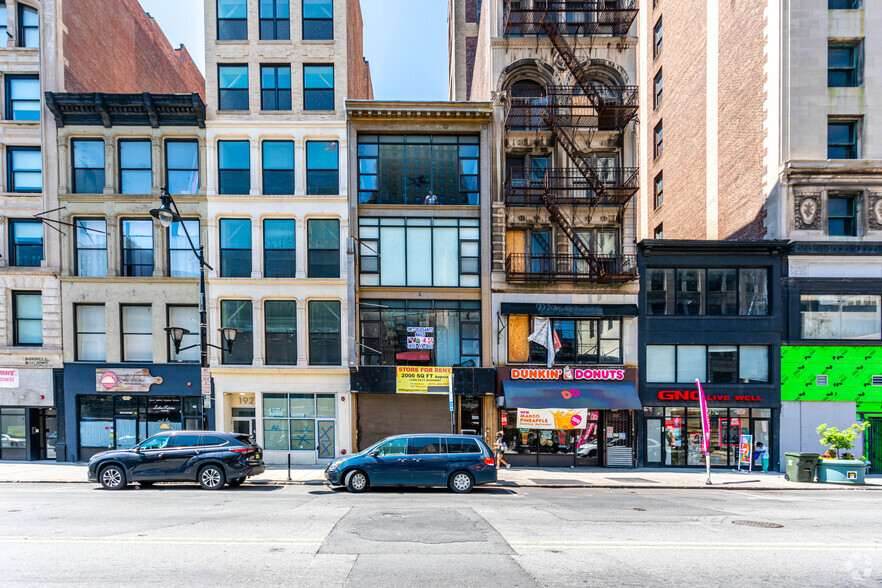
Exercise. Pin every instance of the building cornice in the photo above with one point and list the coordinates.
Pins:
(110, 110)
(832, 169)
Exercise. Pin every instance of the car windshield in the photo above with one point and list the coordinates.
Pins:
(157, 442)
(246, 440)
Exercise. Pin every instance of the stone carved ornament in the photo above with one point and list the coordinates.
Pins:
(807, 211)
(874, 216)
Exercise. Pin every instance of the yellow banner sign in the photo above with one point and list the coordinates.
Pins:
(422, 380)
(552, 418)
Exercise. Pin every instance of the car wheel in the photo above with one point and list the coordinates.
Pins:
(356, 481)
(461, 482)
(212, 477)
(236, 482)
(113, 478)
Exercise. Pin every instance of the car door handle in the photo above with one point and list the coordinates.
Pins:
(160, 455)
(400, 460)
(417, 459)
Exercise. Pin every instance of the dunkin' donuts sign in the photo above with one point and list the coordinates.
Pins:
(567, 374)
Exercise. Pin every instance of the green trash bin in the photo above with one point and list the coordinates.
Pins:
(801, 466)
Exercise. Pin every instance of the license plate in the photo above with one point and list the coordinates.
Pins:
(257, 456)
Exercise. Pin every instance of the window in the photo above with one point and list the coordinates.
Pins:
(233, 87)
(22, 97)
(659, 190)
(279, 260)
(88, 166)
(843, 65)
(842, 139)
(28, 27)
(690, 291)
(722, 297)
(232, 20)
(660, 363)
(842, 215)
(714, 292)
(716, 364)
(275, 87)
(182, 262)
(753, 292)
(90, 332)
(235, 248)
(323, 248)
(753, 364)
(657, 89)
(91, 247)
(659, 232)
(318, 19)
(278, 167)
(322, 165)
(722, 362)
(137, 333)
(583, 341)
(25, 242)
(660, 291)
(234, 167)
(137, 248)
(657, 38)
(841, 316)
(281, 332)
(324, 332)
(318, 87)
(236, 314)
(275, 21)
(182, 167)
(186, 317)
(419, 169)
(843, 4)
(421, 332)
(658, 143)
(135, 167)
(24, 169)
(301, 415)
(440, 252)
(27, 310)
(4, 20)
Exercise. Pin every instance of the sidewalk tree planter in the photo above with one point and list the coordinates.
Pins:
(841, 468)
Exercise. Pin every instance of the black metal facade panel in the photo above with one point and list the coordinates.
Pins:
(568, 310)
(381, 380)
(796, 287)
(834, 248)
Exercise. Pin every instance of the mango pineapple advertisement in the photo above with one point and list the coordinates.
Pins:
(849, 375)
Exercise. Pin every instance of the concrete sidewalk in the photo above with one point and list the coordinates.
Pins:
(36, 472)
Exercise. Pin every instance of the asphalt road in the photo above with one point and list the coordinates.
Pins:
(76, 534)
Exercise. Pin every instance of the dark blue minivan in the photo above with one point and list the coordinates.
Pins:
(457, 461)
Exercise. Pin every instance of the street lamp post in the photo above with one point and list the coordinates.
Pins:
(166, 214)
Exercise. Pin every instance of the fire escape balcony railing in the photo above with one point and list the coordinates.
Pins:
(526, 186)
(590, 17)
(523, 267)
(572, 109)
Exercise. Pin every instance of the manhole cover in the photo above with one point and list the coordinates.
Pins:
(549, 481)
(635, 480)
(761, 524)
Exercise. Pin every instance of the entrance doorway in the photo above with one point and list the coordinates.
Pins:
(244, 421)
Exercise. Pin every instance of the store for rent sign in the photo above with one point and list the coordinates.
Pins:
(421, 338)
(8, 378)
(422, 380)
(552, 418)
(567, 374)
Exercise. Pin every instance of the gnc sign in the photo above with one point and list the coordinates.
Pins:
(693, 396)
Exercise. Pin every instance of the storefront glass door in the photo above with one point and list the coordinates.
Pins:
(13, 434)
(49, 428)
(244, 421)
(588, 442)
(675, 445)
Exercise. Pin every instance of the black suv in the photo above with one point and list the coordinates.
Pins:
(208, 457)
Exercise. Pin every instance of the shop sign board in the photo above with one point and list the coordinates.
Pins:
(745, 451)
(422, 380)
(552, 418)
(567, 373)
(422, 338)
(693, 395)
(125, 380)
(8, 378)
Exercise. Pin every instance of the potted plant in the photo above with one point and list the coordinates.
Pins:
(838, 467)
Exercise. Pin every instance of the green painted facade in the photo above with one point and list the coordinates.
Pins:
(849, 372)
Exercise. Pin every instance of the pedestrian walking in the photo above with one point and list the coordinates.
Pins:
(762, 452)
(500, 448)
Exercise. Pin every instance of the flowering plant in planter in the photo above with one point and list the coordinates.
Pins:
(837, 440)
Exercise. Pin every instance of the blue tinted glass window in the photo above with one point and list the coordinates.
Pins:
(26, 242)
(88, 162)
(25, 169)
(235, 242)
(234, 167)
(275, 19)
(318, 19)
(182, 261)
(137, 245)
(278, 167)
(182, 163)
(322, 167)
(135, 167)
(279, 248)
(22, 97)
(318, 87)
(233, 87)
(232, 20)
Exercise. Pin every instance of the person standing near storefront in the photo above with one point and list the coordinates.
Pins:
(762, 453)
(500, 448)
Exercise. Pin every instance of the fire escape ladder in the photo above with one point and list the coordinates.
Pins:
(576, 156)
(548, 25)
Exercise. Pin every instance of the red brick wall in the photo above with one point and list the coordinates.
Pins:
(471, 45)
(358, 75)
(114, 47)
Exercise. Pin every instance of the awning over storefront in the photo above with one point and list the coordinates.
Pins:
(566, 394)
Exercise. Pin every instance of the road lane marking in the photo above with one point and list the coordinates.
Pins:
(165, 540)
(559, 545)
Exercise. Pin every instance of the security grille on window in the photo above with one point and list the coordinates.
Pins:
(91, 337)
(281, 332)
(324, 332)
(135, 167)
(25, 242)
(88, 166)
(27, 312)
(24, 169)
(232, 20)
(278, 167)
(232, 87)
(236, 314)
(22, 97)
(91, 247)
(182, 165)
(234, 167)
(323, 248)
(275, 23)
(137, 248)
(235, 248)
(322, 168)
(318, 87)
(137, 333)
(182, 262)
(279, 259)
(275, 87)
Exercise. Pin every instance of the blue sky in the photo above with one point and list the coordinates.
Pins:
(405, 42)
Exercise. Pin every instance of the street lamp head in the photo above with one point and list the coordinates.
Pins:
(229, 336)
(177, 335)
(164, 213)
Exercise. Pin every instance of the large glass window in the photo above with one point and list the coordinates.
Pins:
(291, 421)
(135, 166)
(279, 259)
(842, 139)
(137, 248)
(27, 311)
(323, 248)
(753, 364)
(842, 215)
(690, 291)
(28, 26)
(25, 242)
(418, 169)
(275, 87)
(722, 364)
(420, 332)
(845, 316)
(691, 363)
(660, 291)
(88, 166)
(714, 292)
(660, 363)
(322, 168)
(440, 252)
(13, 434)
(137, 333)
(232, 20)
(718, 364)
(275, 23)
(91, 247)
(324, 332)
(318, 87)
(186, 317)
(318, 19)
(232, 87)
(278, 167)
(24, 169)
(236, 314)
(234, 167)
(22, 97)
(583, 341)
(182, 165)
(235, 247)
(182, 262)
(722, 296)
(753, 292)
(281, 332)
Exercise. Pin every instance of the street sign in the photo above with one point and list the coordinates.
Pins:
(206, 382)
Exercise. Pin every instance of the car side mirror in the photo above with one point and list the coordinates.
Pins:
(374, 453)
